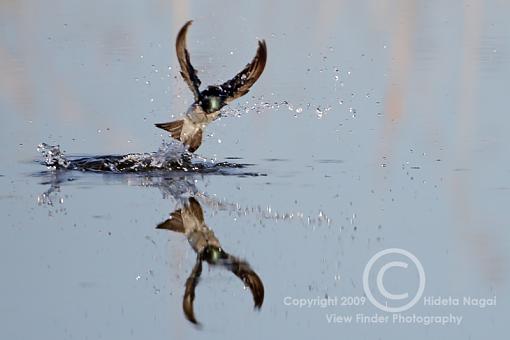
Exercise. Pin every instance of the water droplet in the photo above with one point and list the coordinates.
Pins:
(299, 110)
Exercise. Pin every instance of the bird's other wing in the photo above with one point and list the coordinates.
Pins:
(241, 83)
(242, 270)
(187, 71)
(189, 294)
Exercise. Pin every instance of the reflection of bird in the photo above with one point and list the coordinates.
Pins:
(190, 221)
(208, 102)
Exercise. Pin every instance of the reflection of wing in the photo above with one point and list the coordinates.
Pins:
(241, 83)
(242, 270)
(196, 209)
(174, 223)
(187, 71)
(189, 294)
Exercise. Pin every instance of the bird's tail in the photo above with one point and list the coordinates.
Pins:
(174, 128)
(192, 139)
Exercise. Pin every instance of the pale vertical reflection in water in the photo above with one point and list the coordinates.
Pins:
(375, 125)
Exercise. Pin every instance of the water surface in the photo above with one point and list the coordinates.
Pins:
(375, 125)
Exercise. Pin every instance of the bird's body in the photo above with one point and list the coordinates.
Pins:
(208, 103)
(189, 129)
(199, 235)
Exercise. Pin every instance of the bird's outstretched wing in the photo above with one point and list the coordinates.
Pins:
(187, 71)
(189, 294)
(241, 83)
(242, 270)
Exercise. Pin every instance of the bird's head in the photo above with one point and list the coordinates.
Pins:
(212, 104)
(212, 99)
(213, 254)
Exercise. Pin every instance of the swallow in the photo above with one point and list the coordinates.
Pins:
(208, 103)
(190, 221)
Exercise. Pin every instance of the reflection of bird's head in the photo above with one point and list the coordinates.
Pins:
(213, 254)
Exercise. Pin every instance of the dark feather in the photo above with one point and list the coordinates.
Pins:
(189, 293)
(242, 270)
(196, 209)
(187, 71)
(195, 141)
(241, 83)
(174, 128)
(174, 223)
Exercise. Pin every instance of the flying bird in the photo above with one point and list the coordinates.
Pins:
(190, 221)
(207, 104)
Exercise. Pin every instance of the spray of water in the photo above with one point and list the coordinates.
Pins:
(170, 156)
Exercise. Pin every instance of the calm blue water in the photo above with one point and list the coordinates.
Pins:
(375, 125)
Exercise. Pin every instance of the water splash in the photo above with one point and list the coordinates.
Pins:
(260, 105)
(53, 156)
(169, 157)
